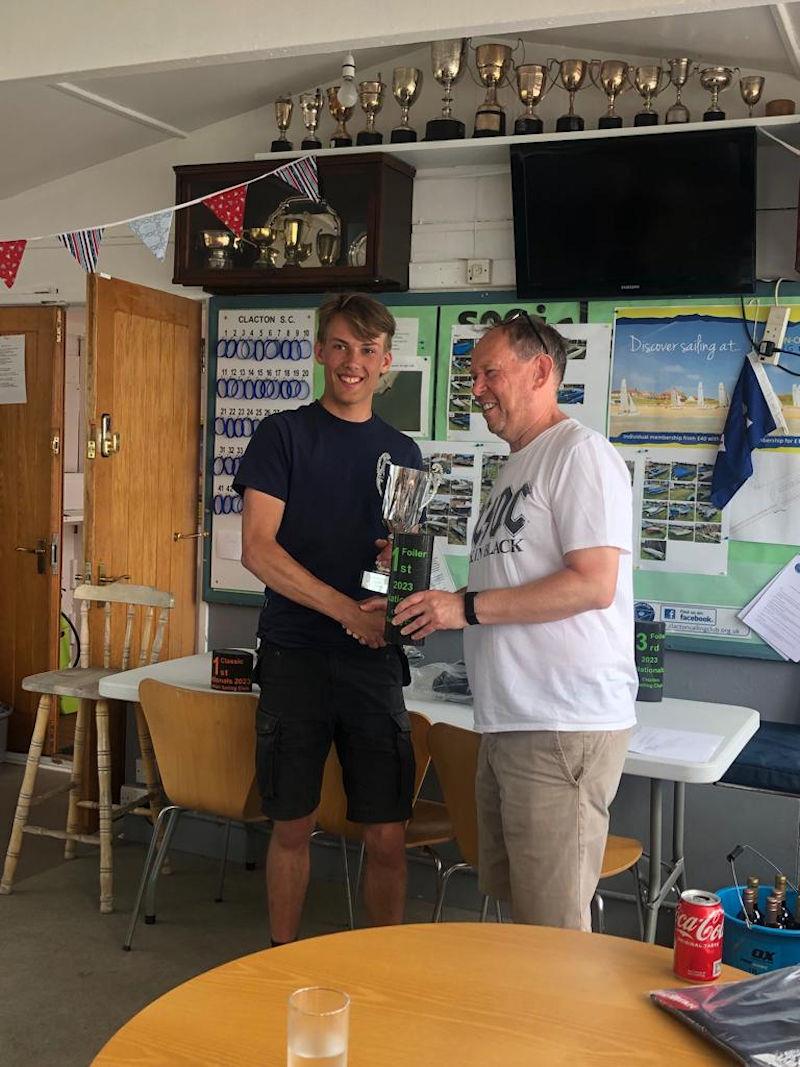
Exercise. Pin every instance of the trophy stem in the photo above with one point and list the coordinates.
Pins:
(447, 102)
(571, 111)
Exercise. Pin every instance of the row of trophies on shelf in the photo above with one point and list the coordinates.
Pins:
(495, 66)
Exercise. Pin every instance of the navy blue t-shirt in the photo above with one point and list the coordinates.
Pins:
(323, 468)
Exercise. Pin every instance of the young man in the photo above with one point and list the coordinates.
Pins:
(549, 634)
(311, 519)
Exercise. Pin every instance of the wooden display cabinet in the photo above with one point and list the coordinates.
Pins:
(369, 194)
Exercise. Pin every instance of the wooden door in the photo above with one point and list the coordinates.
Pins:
(31, 436)
(143, 487)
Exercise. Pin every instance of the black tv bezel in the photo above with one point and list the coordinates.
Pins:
(519, 154)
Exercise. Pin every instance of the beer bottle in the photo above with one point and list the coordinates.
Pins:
(753, 882)
(773, 912)
(784, 915)
(750, 901)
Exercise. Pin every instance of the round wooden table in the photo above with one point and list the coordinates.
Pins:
(446, 993)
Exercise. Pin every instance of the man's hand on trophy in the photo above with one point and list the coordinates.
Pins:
(384, 560)
(422, 614)
(368, 622)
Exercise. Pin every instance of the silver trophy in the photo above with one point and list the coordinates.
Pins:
(406, 492)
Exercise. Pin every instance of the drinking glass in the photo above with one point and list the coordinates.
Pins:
(317, 1028)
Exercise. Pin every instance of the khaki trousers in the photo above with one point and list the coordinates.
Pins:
(543, 798)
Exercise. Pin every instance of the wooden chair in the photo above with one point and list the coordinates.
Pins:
(83, 682)
(428, 826)
(205, 747)
(455, 757)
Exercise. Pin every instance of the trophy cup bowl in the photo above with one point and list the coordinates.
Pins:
(715, 80)
(532, 84)
(611, 76)
(283, 118)
(493, 62)
(311, 105)
(751, 87)
(370, 96)
(571, 74)
(647, 82)
(406, 84)
(680, 70)
(447, 63)
(294, 232)
(263, 237)
(220, 246)
(341, 115)
(328, 246)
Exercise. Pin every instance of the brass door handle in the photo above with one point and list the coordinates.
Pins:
(40, 552)
(103, 580)
(108, 441)
(189, 537)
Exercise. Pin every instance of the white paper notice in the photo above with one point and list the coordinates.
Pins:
(674, 744)
(12, 369)
(765, 508)
(774, 613)
(228, 544)
(405, 343)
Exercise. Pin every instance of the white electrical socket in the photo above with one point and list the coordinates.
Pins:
(775, 331)
(479, 271)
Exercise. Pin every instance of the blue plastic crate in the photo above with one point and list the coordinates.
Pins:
(759, 948)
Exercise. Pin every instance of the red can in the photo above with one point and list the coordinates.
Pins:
(699, 921)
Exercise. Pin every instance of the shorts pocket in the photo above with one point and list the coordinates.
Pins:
(268, 728)
(570, 750)
(405, 754)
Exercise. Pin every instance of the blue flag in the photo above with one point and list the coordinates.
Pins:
(754, 412)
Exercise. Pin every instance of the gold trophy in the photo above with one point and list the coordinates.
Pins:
(341, 135)
(310, 105)
(263, 237)
(716, 80)
(406, 84)
(610, 75)
(532, 85)
(751, 86)
(447, 61)
(283, 118)
(680, 70)
(370, 96)
(493, 62)
(647, 82)
(220, 246)
(328, 247)
(571, 75)
(296, 248)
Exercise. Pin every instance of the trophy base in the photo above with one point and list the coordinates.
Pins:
(403, 135)
(341, 142)
(311, 142)
(569, 124)
(489, 123)
(715, 115)
(367, 137)
(445, 130)
(609, 122)
(646, 118)
(528, 124)
(676, 114)
(281, 145)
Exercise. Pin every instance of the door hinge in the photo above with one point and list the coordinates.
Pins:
(91, 447)
(55, 444)
(202, 355)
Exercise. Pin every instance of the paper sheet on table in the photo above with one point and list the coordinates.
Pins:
(774, 613)
(674, 744)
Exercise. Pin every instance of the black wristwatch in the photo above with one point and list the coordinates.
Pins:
(469, 609)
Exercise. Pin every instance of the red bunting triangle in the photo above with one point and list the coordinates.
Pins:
(229, 207)
(10, 259)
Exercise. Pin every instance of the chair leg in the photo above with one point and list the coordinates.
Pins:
(350, 916)
(226, 841)
(484, 909)
(104, 808)
(597, 900)
(148, 764)
(25, 794)
(437, 911)
(76, 778)
(498, 911)
(163, 848)
(151, 851)
(438, 865)
(360, 871)
(638, 893)
(249, 848)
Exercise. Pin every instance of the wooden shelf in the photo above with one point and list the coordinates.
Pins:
(487, 151)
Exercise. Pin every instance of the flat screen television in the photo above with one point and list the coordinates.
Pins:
(670, 214)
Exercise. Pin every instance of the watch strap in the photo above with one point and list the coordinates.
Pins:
(469, 609)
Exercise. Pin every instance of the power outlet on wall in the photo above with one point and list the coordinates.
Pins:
(479, 271)
(774, 334)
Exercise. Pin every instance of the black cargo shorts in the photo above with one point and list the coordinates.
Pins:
(311, 699)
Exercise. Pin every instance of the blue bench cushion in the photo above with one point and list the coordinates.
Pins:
(769, 760)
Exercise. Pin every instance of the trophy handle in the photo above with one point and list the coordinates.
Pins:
(434, 479)
(594, 65)
(554, 77)
(383, 462)
(661, 87)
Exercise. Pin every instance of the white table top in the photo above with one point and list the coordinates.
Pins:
(735, 724)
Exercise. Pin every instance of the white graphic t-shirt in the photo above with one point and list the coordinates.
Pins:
(566, 490)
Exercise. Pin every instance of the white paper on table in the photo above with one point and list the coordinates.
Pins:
(774, 614)
(674, 744)
(12, 369)
(228, 544)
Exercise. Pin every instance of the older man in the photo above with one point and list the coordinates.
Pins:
(548, 620)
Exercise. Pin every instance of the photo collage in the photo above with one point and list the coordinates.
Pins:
(676, 506)
(449, 511)
(460, 401)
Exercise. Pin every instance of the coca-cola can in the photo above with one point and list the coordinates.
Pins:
(699, 922)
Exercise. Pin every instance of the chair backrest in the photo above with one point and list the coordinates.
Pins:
(332, 813)
(132, 597)
(454, 752)
(205, 747)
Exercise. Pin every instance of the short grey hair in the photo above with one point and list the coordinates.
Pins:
(530, 337)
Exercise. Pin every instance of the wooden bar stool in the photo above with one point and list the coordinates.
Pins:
(83, 682)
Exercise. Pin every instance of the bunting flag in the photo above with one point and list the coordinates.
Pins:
(153, 231)
(302, 175)
(10, 259)
(83, 246)
(229, 207)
